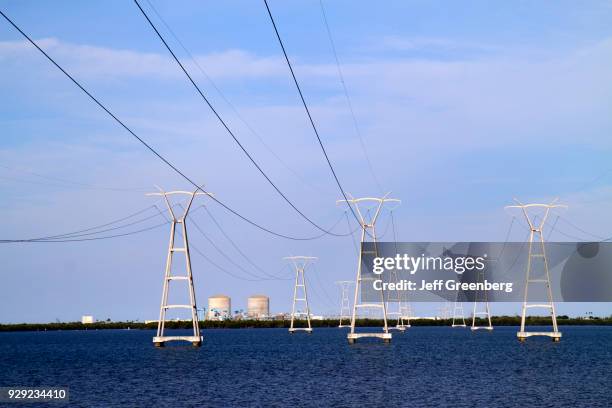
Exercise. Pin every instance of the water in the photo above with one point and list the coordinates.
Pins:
(424, 367)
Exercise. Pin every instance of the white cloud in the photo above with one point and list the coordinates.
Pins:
(92, 60)
(399, 43)
(240, 64)
(95, 61)
(494, 100)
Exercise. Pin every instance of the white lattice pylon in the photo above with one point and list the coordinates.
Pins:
(368, 234)
(537, 230)
(299, 289)
(160, 338)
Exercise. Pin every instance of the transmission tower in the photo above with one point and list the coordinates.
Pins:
(368, 234)
(444, 310)
(404, 312)
(405, 315)
(402, 308)
(536, 229)
(160, 339)
(345, 304)
(300, 263)
(483, 301)
(458, 315)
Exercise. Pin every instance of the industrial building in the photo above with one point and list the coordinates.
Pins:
(258, 306)
(87, 319)
(219, 307)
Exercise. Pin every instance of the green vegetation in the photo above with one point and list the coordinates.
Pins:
(237, 324)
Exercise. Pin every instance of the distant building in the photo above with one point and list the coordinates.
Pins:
(87, 319)
(258, 306)
(219, 307)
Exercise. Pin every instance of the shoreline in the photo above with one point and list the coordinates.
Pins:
(246, 324)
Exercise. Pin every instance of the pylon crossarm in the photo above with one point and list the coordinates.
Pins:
(356, 201)
(360, 200)
(161, 193)
(192, 195)
(524, 208)
(301, 262)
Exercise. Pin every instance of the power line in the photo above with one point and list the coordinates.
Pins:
(318, 279)
(385, 230)
(83, 230)
(70, 182)
(104, 230)
(312, 289)
(227, 257)
(222, 269)
(348, 99)
(4, 241)
(149, 147)
(235, 246)
(501, 252)
(314, 127)
(593, 181)
(78, 234)
(228, 102)
(97, 101)
(579, 229)
(552, 228)
(393, 228)
(570, 236)
(574, 237)
(221, 252)
(225, 125)
(348, 223)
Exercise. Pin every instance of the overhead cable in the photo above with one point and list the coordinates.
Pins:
(312, 123)
(150, 148)
(227, 128)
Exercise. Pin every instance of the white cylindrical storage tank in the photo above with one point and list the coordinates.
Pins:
(258, 306)
(219, 307)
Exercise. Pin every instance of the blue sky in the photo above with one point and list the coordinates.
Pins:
(462, 106)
